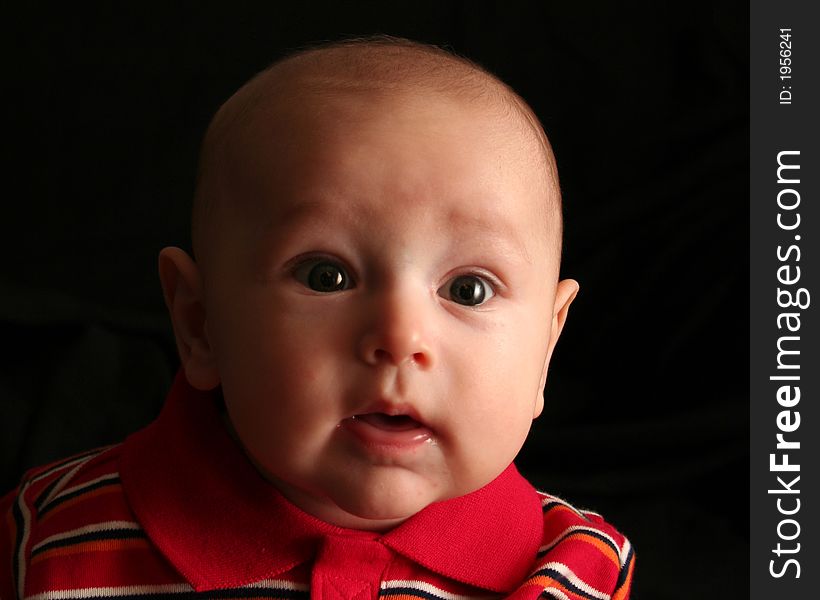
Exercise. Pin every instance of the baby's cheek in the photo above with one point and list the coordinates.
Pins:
(484, 446)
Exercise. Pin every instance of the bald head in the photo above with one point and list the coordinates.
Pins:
(370, 68)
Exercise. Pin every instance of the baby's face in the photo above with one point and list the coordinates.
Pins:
(381, 301)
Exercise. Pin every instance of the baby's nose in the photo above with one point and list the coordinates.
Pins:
(397, 332)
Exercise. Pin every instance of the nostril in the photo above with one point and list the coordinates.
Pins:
(420, 358)
(383, 356)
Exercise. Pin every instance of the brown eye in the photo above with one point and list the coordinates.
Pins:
(468, 290)
(323, 276)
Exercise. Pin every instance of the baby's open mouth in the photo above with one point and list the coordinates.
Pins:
(381, 432)
(387, 422)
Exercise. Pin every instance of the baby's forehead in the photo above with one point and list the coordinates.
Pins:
(376, 146)
(299, 93)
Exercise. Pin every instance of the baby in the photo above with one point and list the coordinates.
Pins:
(365, 336)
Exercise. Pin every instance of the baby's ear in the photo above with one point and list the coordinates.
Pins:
(565, 293)
(184, 297)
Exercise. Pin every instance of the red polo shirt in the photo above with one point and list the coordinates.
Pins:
(179, 510)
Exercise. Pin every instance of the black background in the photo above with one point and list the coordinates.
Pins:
(646, 106)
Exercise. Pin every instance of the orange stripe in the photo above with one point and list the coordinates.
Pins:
(108, 489)
(605, 548)
(545, 582)
(92, 546)
(560, 507)
(623, 592)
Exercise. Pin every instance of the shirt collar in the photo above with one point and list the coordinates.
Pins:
(220, 524)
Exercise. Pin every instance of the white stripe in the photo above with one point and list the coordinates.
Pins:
(67, 477)
(21, 551)
(581, 512)
(574, 579)
(557, 539)
(106, 526)
(171, 588)
(556, 594)
(278, 584)
(80, 486)
(82, 458)
(423, 586)
(625, 551)
(556, 500)
(100, 592)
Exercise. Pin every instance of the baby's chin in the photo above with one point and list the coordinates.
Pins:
(385, 512)
(379, 501)
(385, 500)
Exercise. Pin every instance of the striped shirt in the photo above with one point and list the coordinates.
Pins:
(177, 511)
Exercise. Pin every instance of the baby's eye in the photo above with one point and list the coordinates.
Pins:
(323, 276)
(469, 290)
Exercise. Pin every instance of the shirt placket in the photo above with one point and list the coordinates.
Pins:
(349, 568)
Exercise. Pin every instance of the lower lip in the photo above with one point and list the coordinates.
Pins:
(375, 436)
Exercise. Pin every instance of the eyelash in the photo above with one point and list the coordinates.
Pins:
(303, 272)
(488, 285)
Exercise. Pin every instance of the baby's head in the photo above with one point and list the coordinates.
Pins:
(377, 236)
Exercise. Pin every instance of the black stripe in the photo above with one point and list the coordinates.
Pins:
(108, 534)
(38, 503)
(57, 501)
(592, 533)
(76, 458)
(545, 508)
(604, 539)
(624, 570)
(409, 592)
(549, 505)
(560, 578)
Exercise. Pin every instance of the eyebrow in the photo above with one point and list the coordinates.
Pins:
(499, 229)
(496, 227)
(306, 211)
